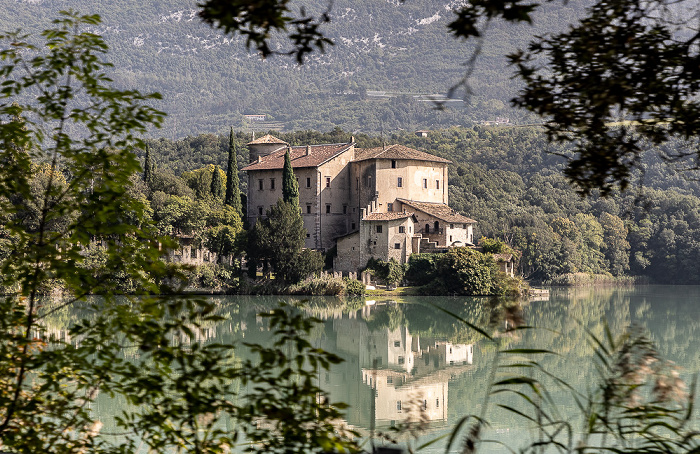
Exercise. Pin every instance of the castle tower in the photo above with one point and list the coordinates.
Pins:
(263, 146)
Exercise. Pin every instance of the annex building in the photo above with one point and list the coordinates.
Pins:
(387, 202)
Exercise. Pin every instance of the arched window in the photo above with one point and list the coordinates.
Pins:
(427, 228)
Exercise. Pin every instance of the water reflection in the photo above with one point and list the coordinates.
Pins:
(407, 361)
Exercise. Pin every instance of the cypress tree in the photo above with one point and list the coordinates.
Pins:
(290, 187)
(148, 166)
(233, 192)
(216, 183)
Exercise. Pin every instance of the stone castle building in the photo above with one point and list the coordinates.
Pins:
(387, 202)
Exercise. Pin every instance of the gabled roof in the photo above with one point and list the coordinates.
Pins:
(390, 216)
(318, 154)
(438, 210)
(267, 139)
(396, 152)
(503, 257)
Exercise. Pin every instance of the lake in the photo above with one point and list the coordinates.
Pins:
(405, 359)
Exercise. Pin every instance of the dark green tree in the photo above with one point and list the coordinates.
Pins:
(290, 186)
(233, 190)
(148, 166)
(216, 184)
(278, 239)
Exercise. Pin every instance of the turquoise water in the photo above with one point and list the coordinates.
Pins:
(406, 360)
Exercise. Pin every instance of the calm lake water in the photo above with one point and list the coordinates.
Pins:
(402, 355)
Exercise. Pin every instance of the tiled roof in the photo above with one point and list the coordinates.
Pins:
(318, 154)
(390, 216)
(396, 152)
(503, 257)
(267, 139)
(438, 210)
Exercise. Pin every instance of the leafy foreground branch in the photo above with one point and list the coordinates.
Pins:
(637, 404)
(60, 118)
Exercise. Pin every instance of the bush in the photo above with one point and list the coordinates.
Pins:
(422, 268)
(325, 285)
(353, 287)
(391, 272)
(304, 264)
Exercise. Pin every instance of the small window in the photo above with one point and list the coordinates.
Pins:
(398, 405)
(452, 226)
(393, 163)
(308, 235)
(357, 183)
(260, 185)
(369, 181)
(328, 182)
(397, 343)
(389, 207)
(390, 380)
(402, 229)
(352, 226)
(397, 245)
(437, 403)
(425, 404)
(308, 209)
(379, 229)
(328, 208)
(399, 182)
(308, 182)
(375, 243)
(260, 211)
(464, 226)
(437, 184)
(345, 209)
(450, 238)
(401, 360)
(425, 183)
(272, 184)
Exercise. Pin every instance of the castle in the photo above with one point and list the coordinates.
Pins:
(386, 202)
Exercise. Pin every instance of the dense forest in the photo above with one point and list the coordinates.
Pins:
(388, 61)
(510, 181)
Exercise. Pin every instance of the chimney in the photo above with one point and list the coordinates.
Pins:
(308, 150)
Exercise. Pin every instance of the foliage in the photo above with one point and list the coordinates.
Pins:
(463, 271)
(203, 182)
(233, 191)
(305, 263)
(277, 241)
(390, 272)
(217, 187)
(323, 285)
(290, 186)
(354, 287)
(637, 403)
(422, 268)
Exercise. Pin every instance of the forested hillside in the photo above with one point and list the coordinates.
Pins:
(509, 180)
(388, 58)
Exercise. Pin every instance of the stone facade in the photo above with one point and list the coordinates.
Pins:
(384, 202)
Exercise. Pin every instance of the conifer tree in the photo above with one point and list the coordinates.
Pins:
(148, 166)
(290, 187)
(233, 192)
(216, 183)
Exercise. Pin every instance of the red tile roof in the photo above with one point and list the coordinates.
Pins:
(318, 154)
(396, 152)
(267, 139)
(438, 210)
(390, 216)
